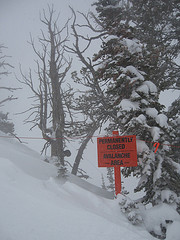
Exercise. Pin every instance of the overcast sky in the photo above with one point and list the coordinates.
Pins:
(19, 18)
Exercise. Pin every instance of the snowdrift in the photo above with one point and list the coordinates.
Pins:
(34, 205)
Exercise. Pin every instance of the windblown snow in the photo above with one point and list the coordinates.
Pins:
(35, 205)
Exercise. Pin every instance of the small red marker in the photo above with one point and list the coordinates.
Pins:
(156, 144)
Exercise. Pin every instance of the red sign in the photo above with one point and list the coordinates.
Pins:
(117, 151)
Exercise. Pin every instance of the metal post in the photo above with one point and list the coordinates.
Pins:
(117, 173)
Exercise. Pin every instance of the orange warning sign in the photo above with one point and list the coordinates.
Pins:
(117, 151)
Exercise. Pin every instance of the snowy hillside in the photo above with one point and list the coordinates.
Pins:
(34, 205)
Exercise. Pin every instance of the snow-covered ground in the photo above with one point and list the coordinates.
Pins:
(34, 205)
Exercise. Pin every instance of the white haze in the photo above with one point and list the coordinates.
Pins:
(17, 20)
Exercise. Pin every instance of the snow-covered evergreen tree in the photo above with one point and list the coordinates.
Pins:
(158, 27)
(126, 73)
(103, 185)
(5, 125)
(110, 177)
(174, 117)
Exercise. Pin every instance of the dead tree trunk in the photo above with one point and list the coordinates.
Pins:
(52, 67)
(58, 115)
(92, 104)
(82, 148)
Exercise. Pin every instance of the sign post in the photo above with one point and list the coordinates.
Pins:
(117, 151)
(117, 172)
(117, 176)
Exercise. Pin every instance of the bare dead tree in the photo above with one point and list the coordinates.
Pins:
(93, 102)
(6, 126)
(49, 110)
(4, 71)
(53, 108)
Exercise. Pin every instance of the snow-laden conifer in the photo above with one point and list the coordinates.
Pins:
(5, 125)
(126, 71)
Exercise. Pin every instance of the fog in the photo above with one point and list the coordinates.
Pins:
(19, 18)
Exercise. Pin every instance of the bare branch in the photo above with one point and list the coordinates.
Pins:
(10, 89)
(89, 25)
(10, 98)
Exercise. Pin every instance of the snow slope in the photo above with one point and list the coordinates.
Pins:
(34, 205)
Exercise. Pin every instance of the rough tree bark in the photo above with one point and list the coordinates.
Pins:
(52, 66)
